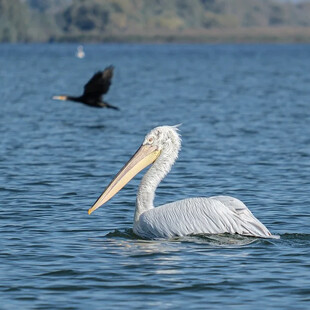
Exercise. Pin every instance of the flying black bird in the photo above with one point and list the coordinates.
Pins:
(97, 86)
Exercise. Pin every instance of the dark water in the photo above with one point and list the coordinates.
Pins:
(245, 112)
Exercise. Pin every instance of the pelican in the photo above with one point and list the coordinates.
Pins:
(200, 215)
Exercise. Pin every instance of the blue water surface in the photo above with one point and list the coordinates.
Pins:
(245, 114)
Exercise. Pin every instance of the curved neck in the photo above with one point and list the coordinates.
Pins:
(151, 180)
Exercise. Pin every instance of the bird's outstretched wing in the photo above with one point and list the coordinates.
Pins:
(100, 83)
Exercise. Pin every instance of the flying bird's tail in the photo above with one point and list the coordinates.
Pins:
(107, 105)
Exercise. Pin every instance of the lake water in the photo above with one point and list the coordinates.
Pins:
(245, 114)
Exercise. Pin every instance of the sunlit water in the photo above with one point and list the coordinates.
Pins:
(245, 114)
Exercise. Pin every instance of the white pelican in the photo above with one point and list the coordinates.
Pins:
(201, 215)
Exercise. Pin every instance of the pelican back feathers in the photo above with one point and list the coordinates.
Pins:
(214, 215)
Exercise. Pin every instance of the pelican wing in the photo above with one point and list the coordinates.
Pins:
(214, 215)
(100, 83)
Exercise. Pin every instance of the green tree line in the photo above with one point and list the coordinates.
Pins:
(138, 20)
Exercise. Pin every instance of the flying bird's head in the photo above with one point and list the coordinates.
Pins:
(62, 97)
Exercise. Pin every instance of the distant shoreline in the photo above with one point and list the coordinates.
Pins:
(238, 35)
(214, 35)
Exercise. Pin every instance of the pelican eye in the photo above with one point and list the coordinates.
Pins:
(150, 140)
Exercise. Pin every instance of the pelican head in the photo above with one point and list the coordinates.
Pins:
(161, 144)
(163, 138)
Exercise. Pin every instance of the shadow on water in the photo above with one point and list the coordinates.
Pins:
(296, 240)
(126, 234)
(219, 239)
(99, 126)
